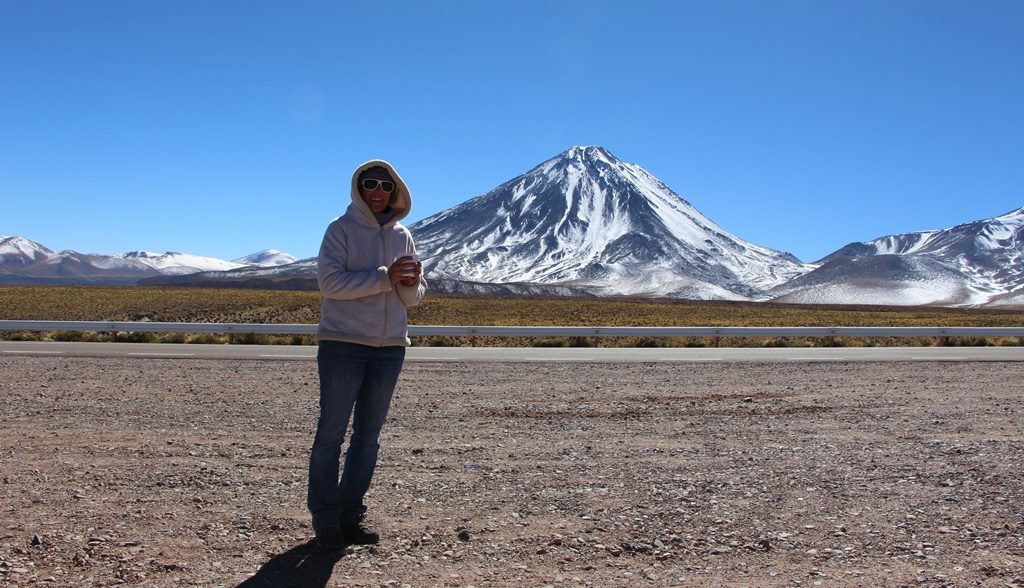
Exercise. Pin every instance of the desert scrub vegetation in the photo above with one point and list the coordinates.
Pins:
(133, 303)
(690, 313)
(224, 305)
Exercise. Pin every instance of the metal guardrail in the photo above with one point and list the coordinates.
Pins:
(446, 330)
(158, 327)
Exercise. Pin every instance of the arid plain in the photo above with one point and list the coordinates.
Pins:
(156, 472)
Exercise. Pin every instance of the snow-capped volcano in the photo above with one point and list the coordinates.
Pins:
(586, 219)
(970, 264)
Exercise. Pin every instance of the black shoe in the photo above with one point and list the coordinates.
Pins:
(359, 533)
(330, 538)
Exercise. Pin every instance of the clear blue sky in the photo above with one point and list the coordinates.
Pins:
(225, 127)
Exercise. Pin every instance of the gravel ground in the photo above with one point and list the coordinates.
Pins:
(152, 472)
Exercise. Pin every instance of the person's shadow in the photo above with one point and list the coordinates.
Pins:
(303, 566)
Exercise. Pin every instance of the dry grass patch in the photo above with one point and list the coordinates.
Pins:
(209, 305)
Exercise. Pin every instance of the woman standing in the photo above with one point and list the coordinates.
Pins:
(368, 275)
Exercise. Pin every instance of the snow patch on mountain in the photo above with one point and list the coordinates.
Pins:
(174, 262)
(267, 258)
(300, 275)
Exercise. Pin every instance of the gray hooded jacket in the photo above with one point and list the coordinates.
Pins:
(359, 303)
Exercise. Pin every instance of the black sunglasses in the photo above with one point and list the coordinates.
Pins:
(385, 185)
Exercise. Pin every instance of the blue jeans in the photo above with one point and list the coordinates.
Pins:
(357, 382)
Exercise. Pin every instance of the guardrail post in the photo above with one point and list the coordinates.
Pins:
(941, 340)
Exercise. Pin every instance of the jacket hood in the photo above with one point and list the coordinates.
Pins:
(401, 199)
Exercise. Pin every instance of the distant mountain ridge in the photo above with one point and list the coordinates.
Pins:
(298, 275)
(584, 223)
(975, 263)
(25, 261)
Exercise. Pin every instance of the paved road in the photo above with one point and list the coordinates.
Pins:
(523, 354)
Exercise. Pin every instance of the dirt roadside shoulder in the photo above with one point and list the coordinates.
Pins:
(158, 472)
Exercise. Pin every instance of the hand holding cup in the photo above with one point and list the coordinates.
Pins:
(405, 269)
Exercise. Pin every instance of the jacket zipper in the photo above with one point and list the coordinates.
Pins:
(384, 260)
